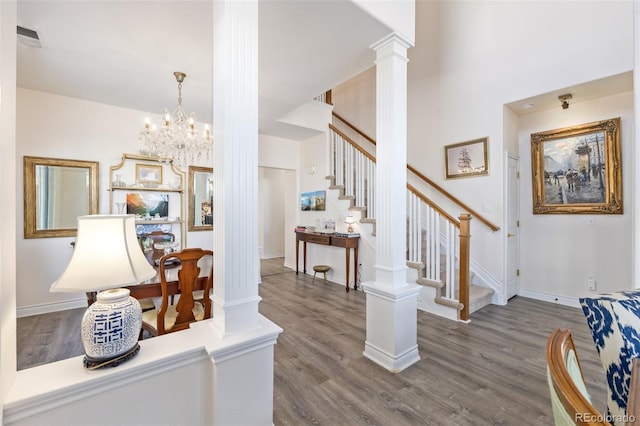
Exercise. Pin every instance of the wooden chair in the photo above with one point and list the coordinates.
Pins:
(570, 400)
(155, 237)
(174, 317)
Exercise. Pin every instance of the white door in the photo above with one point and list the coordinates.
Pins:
(513, 218)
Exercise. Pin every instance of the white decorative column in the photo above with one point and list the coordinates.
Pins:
(235, 153)
(242, 357)
(391, 301)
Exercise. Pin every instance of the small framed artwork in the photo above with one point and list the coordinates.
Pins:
(578, 169)
(149, 173)
(313, 201)
(467, 159)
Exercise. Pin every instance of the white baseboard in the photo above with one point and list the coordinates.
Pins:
(46, 308)
(548, 297)
(271, 255)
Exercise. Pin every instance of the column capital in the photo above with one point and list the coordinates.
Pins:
(394, 37)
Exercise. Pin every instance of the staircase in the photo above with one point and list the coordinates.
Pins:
(437, 243)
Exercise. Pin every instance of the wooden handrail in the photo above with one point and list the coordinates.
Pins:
(413, 170)
(339, 117)
(452, 198)
(351, 142)
(433, 205)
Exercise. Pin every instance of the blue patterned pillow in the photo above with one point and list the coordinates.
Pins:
(614, 320)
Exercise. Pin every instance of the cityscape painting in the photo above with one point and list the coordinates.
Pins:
(578, 169)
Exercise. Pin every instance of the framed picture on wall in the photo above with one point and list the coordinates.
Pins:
(466, 159)
(578, 169)
(313, 201)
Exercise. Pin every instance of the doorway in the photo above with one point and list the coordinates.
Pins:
(512, 261)
(276, 204)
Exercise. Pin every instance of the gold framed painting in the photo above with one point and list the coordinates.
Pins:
(149, 173)
(578, 169)
(467, 159)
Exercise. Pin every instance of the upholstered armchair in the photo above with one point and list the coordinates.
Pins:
(614, 320)
(570, 400)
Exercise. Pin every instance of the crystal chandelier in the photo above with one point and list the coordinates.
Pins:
(177, 140)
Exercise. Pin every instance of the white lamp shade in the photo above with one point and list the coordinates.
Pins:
(106, 255)
(349, 220)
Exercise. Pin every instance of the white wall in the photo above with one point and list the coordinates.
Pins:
(471, 59)
(478, 56)
(355, 100)
(55, 126)
(559, 251)
(8, 190)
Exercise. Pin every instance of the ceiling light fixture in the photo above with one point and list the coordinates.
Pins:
(564, 99)
(177, 140)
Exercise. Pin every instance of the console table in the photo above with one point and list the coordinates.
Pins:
(329, 240)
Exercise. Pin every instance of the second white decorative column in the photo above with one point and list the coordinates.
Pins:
(242, 347)
(391, 302)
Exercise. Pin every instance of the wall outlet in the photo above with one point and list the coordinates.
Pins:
(591, 283)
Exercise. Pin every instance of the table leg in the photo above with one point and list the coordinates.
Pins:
(355, 268)
(347, 268)
(304, 260)
(297, 254)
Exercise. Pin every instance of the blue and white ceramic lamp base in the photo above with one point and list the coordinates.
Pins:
(110, 328)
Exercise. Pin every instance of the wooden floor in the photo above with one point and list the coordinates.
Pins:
(491, 371)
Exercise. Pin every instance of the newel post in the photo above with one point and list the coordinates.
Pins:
(465, 249)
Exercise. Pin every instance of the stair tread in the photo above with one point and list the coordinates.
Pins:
(477, 292)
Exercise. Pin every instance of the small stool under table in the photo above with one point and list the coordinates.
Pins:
(320, 268)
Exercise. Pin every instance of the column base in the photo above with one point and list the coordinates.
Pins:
(393, 363)
(392, 316)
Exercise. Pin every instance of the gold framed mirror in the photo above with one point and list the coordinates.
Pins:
(200, 190)
(56, 192)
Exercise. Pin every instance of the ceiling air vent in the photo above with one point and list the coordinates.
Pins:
(29, 37)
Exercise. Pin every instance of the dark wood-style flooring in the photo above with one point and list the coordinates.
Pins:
(489, 372)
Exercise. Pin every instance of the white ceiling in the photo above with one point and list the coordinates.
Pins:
(124, 53)
(579, 93)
